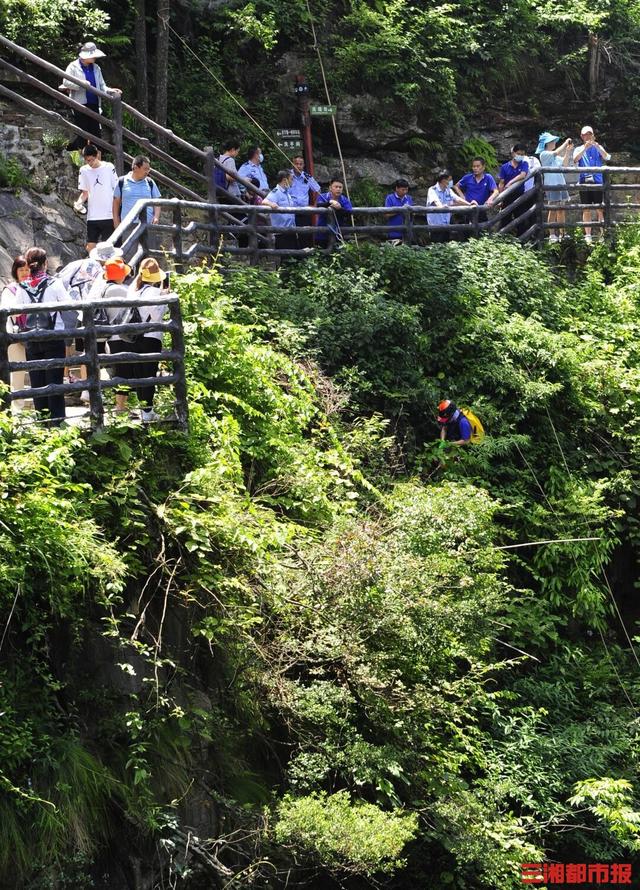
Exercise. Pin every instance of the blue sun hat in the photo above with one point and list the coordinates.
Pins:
(544, 139)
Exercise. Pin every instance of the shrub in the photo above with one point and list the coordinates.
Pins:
(339, 833)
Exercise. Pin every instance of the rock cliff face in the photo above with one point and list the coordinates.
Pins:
(39, 214)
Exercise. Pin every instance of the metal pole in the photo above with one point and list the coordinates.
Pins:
(302, 95)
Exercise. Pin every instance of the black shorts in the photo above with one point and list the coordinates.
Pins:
(99, 230)
(592, 196)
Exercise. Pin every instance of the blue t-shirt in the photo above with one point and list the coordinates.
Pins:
(475, 190)
(509, 172)
(342, 216)
(463, 428)
(89, 72)
(133, 190)
(281, 197)
(393, 200)
(591, 158)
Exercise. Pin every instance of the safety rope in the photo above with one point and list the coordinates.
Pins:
(223, 86)
(316, 46)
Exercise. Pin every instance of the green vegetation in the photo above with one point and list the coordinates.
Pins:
(12, 173)
(290, 643)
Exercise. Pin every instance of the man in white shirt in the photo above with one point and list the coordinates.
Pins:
(96, 180)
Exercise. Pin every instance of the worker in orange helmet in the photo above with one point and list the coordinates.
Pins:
(454, 426)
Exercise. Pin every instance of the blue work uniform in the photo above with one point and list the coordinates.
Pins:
(477, 190)
(301, 185)
(509, 172)
(133, 190)
(283, 198)
(398, 219)
(249, 169)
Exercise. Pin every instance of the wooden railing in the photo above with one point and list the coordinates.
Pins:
(200, 228)
(197, 165)
(91, 358)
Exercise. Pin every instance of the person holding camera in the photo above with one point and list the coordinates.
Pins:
(552, 155)
(590, 154)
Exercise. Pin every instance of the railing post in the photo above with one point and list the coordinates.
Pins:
(117, 135)
(5, 376)
(540, 207)
(177, 235)
(408, 223)
(608, 220)
(209, 171)
(177, 345)
(475, 221)
(96, 407)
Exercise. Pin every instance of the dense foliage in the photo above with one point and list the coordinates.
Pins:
(416, 75)
(302, 641)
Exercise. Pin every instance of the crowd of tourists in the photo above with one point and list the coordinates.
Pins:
(103, 275)
(107, 198)
(296, 190)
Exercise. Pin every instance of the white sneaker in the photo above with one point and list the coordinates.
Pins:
(84, 396)
(588, 239)
(149, 415)
(553, 239)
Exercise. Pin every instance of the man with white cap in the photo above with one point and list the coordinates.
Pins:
(85, 68)
(590, 154)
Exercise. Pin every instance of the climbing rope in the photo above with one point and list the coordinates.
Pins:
(231, 96)
(316, 46)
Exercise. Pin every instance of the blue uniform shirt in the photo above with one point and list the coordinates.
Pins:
(249, 169)
(301, 185)
(133, 190)
(591, 158)
(281, 197)
(509, 172)
(341, 215)
(397, 219)
(475, 190)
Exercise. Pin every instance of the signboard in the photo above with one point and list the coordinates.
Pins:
(289, 140)
(322, 110)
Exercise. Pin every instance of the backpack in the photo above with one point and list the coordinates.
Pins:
(477, 430)
(128, 315)
(37, 321)
(220, 177)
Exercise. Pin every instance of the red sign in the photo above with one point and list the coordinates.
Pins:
(575, 873)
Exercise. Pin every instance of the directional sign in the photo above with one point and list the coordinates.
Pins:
(289, 140)
(322, 110)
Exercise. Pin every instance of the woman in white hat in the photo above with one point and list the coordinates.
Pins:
(85, 68)
(553, 156)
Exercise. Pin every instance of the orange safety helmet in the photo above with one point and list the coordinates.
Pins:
(446, 409)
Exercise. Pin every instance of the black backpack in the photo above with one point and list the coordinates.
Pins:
(37, 321)
(128, 315)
